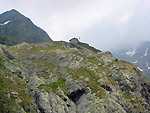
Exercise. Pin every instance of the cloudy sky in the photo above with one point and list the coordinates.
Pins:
(104, 24)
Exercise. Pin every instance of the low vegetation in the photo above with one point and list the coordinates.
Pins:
(53, 87)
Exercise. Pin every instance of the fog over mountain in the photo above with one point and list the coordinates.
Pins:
(106, 25)
(139, 56)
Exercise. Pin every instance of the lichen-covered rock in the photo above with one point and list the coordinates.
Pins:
(68, 60)
(52, 103)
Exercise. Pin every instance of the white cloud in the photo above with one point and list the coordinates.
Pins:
(104, 24)
(78, 19)
(125, 18)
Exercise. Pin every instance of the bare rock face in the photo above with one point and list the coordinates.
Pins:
(61, 77)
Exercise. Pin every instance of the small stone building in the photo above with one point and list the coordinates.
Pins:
(74, 41)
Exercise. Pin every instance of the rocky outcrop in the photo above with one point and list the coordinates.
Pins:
(61, 77)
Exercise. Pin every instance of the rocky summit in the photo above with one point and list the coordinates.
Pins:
(16, 28)
(61, 77)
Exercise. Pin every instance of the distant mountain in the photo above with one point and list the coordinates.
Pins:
(13, 24)
(139, 56)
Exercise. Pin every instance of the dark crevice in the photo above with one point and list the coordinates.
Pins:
(41, 110)
(145, 92)
(65, 99)
(116, 60)
(9, 56)
(26, 109)
(68, 105)
(106, 87)
(75, 96)
(36, 97)
(18, 73)
(20, 76)
(134, 69)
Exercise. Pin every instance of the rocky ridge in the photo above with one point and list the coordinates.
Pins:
(16, 28)
(61, 77)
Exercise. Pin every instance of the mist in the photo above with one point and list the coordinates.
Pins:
(106, 25)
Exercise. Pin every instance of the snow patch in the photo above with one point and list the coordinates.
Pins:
(134, 62)
(5, 23)
(147, 66)
(140, 69)
(146, 52)
(131, 52)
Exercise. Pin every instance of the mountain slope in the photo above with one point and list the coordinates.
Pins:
(139, 56)
(7, 40)
(14, 24)
(68, 78)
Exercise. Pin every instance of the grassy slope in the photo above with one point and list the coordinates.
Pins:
(77, 74)
(10, 84)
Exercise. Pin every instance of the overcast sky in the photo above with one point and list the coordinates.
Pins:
(104, 24)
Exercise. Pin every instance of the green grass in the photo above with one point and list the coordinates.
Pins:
(93, 60)
(128, 96)
(102, 69)
(45, 75)
(47, 66)
(53, 87)
(36, 50)
(92, 83)
(2, 84)
(123, 65)
(112, 81)
(54, 47)
(8, 85)
(1, 63)
(82, 72)
(89, 47)
(134, 100)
